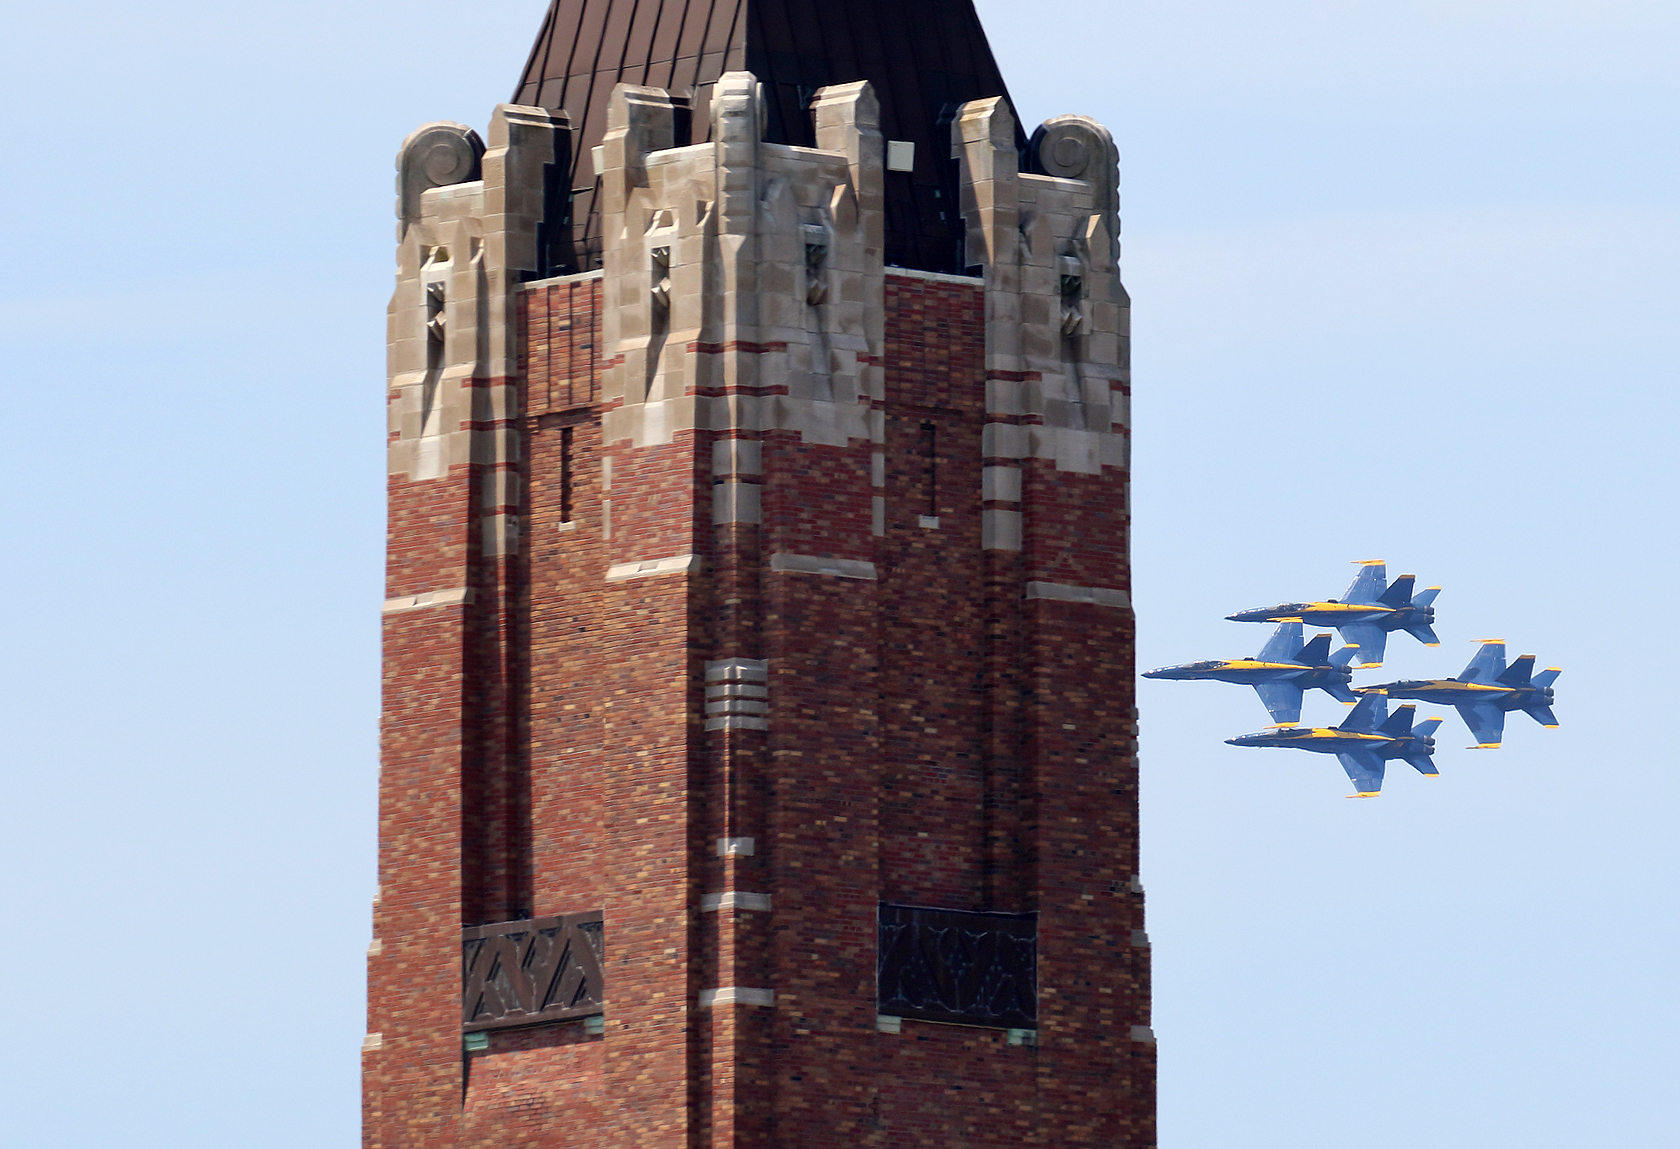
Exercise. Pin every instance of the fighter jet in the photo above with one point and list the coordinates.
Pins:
(1282, 671)
(1486, 692)
(1364, 742)
(1366, 614)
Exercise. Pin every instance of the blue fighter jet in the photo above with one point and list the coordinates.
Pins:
(1281, 673)
(1486, 692)
(1366, 614)
(1364, 742)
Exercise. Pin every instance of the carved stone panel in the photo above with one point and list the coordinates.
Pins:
(532, 972)
(958, 966)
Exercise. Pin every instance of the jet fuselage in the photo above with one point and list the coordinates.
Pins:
(1455, 692)
(1337, 741)
(1248, 671)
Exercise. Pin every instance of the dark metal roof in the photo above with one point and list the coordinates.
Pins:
(925, 58)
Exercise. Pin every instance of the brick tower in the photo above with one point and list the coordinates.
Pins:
(758, 749)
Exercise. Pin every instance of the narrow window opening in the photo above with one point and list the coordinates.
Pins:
(930, 447)
(565, 475)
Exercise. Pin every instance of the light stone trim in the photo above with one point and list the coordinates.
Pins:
(887, 1024)
(652, 568)
(1143, 1033)
(373, 1042)
(456, 596)
(736, 995)
(1066, 592)
(737, 690)
(736, 847)
(734, 900)
(783, 563)
(1000, 484)
(737, 457)
(1140, 938)
(1000, 530)
(734, 502)
(738, 670)
(697, 336)
(737, 722)
(937, 276)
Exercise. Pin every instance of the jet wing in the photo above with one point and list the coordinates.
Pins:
(1371, 640)
(1366, 771)
(1486, 722)
(1282, 700)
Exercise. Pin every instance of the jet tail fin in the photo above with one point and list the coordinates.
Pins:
(1488, 664)
(1399, 592)
(1546, 677)
(1372, 709)
(1316, 652)
(1285, 641)
(1424, 765)
(1518, 673)
(1426, 728)
(1369, 584)
(1424, 633)
(1340, 693)
(1426, 596)
(1344, 656)
(1399, 724)
(1542, 714)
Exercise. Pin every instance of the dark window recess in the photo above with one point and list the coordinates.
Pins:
(958, 966)
(930, 450)
(531, 972)
(565, 474)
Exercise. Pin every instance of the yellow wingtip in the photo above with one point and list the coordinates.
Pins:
(1432, 644)
(1555, 669)
(1369, 562)
(1551, 725)
(1365, 794)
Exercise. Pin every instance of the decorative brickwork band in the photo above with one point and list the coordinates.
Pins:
(531, 972)
(958, 966)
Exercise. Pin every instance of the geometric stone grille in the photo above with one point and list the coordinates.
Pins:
(532, 972)
(958, 966)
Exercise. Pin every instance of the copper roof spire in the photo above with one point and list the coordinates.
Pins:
(924, 60)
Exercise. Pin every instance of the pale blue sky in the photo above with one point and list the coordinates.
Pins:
(1406, 279)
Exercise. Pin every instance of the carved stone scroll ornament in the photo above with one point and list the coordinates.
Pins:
(1079, 148)
(958, 966)
(433, 156)
(532, 972)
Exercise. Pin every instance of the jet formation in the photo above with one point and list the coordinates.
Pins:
(1372, 609)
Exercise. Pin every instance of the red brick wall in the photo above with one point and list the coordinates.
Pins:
(935, 738)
